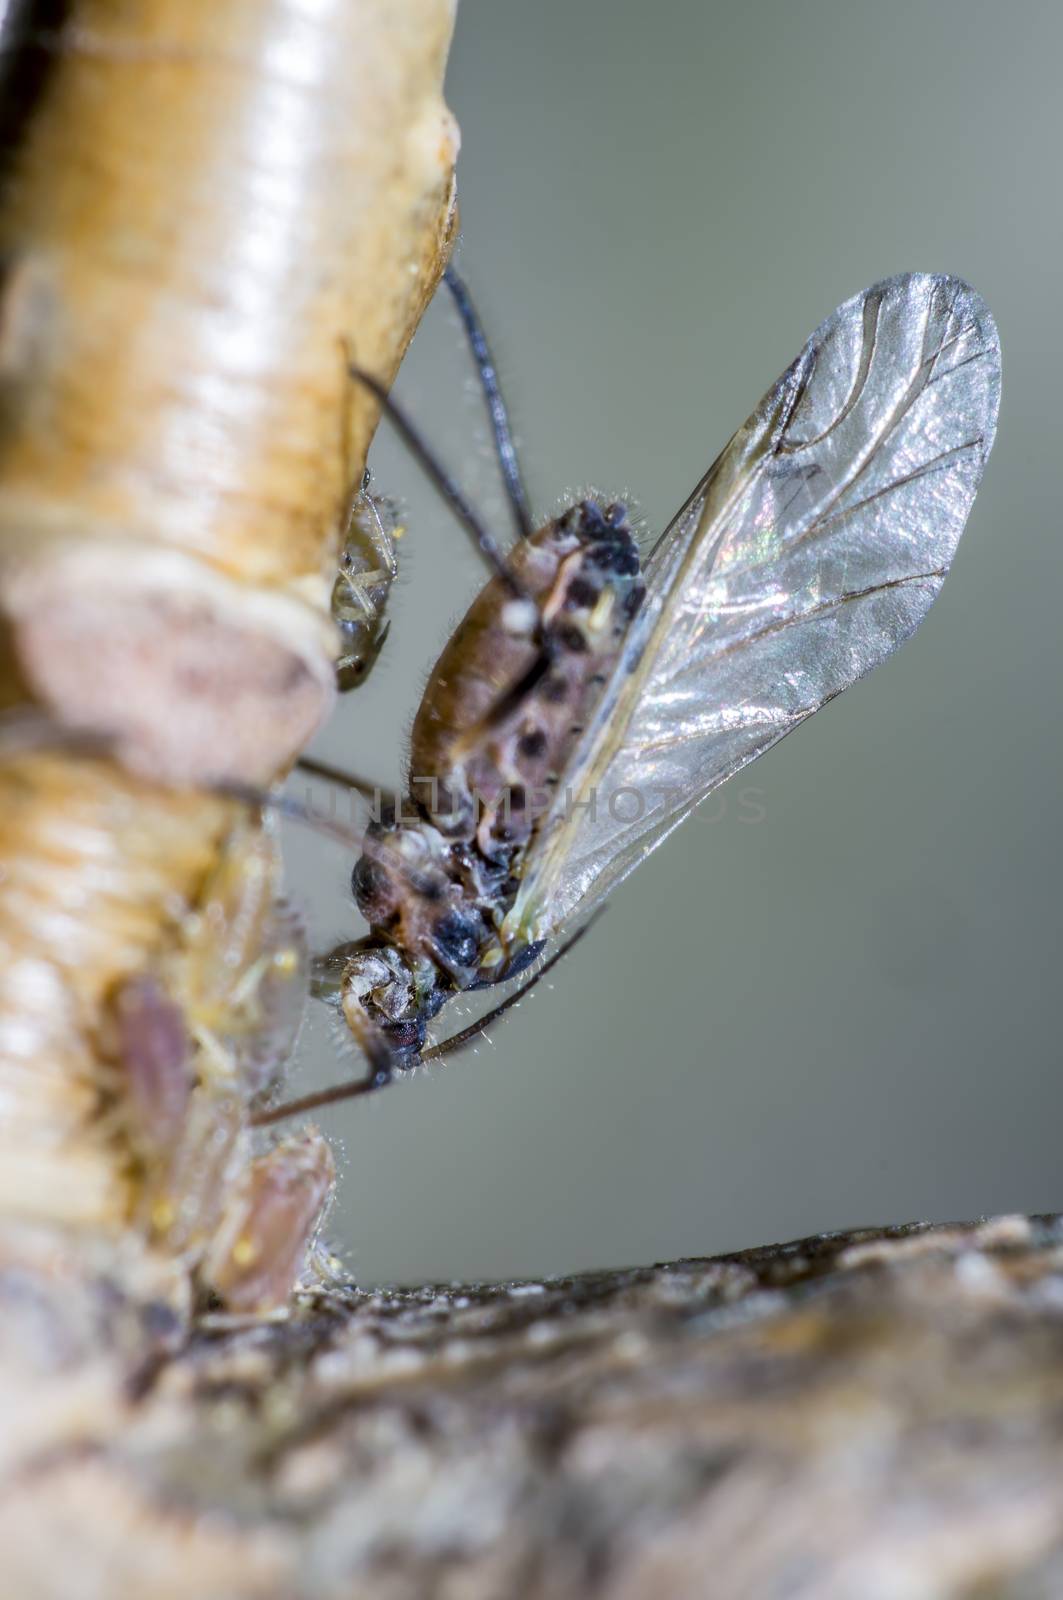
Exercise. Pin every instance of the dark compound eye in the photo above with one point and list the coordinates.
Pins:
(351, 672)
(371, 887)
(616, 514)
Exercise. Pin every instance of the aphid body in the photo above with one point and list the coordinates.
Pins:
(367, 569)
(583, 708)
(436, 884)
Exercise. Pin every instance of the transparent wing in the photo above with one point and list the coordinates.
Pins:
(814, 544)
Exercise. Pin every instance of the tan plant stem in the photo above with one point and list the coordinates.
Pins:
(206, 208)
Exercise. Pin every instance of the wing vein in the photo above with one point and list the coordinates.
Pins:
(785, 577)
(868, 345)
(822, 609)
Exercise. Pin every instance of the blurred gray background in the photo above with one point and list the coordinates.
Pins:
(846, 1012)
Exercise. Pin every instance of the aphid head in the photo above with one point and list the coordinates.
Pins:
(386, 993)
(600, 522)
(605, 532)
(592, 520)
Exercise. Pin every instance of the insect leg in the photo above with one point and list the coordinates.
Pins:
(384, 1064)
(471, 521)
(496, 405)
(382, 1068)
(509, 700)
(448, 1047)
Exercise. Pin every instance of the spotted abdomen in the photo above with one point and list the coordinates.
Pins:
(490, 786)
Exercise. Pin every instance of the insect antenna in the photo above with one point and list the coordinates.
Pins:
(470, 519)
(505, 448)
(338, 776)
(379, 1075)
(543, 638)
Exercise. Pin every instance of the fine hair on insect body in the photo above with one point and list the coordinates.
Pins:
(589, 700)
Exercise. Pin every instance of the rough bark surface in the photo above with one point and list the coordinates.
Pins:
(867, 1416)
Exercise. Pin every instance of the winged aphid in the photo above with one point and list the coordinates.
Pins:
(587, 703)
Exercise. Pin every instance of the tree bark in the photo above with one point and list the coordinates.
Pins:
(870, 1415)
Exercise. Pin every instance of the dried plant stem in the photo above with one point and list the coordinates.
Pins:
(205, 209)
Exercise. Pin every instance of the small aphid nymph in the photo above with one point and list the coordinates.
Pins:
(367, 569)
